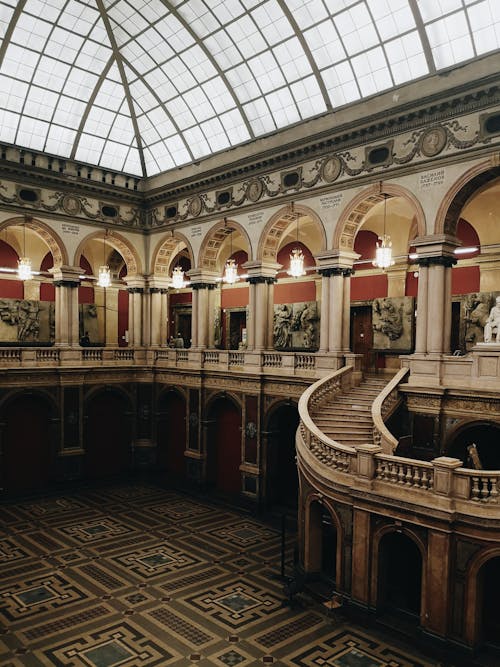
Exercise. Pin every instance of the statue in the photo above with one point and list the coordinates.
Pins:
(281, 329)
(492, 326)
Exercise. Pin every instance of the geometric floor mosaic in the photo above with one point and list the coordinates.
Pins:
(137, 576)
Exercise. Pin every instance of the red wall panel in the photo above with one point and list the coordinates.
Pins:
(234, 298)
(11, 289)
(295, 292)
(465, 279)
(364, 288)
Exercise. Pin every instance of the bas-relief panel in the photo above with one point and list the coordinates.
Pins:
(295, 326)
(24, 321)
(475, 310)
(392, 321)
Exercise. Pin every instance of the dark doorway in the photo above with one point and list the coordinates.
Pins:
(399, 576)
(486, 436)
(182, 319)
(107, 436)
(281, 470)
(457, 341)
(26, 444)
(171, 434)
(236, 322)
(489, 594)
(224, 447)
(362, 335)
(328, 546)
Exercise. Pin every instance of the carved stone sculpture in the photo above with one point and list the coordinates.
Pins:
(392, 322)
(295, 326)
(492, 326)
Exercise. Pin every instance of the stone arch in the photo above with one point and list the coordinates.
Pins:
(310, 529)
(375, 569)
(37, 391)
(46, 233)
(472, 618)
(215, 237)
(229, 395)
(180, 391)
(119, 243)
(355, 212)
(117, 389)
(165, 251)
(277, 225)
(461, 191)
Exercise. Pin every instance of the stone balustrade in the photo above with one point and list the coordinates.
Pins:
(383, 406)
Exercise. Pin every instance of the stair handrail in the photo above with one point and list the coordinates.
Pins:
(382, 406)
(315, 395)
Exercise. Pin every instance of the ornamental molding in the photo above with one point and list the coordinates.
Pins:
(332, 158)
(74, 205)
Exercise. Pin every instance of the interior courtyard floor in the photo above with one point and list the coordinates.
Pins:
(135, 575)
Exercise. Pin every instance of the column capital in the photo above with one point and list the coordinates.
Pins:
(159, 284)
(66, 276)
(334, 271)
(335, 259)
(259, 280)
(441, 260)
(135, 283)
(440, 247)
(261, 270)
(200, 285)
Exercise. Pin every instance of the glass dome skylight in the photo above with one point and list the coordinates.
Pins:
(143, 86)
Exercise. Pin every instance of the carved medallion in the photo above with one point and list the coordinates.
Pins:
(195, 206)
(71, 205)
(433, 141)
(331, 168)
(254, 190)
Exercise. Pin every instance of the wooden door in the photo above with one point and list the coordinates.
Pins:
(362, 335)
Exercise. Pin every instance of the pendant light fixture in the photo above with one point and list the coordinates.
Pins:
(230, 267)
(383, 252)
(104, 279)
(177, 274)
(24, 271)
(178, 277)
(296, 256)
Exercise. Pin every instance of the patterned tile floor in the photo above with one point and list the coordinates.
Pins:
(137, 576)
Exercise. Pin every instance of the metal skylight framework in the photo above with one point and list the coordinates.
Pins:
(143, 86)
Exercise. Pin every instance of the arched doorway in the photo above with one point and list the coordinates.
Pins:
(399, 576)
(281, 470)
(107, 435)
(27, 455)
(224, 447)
(489, 594)
(485, 436)
(171, 434)
(321, 544)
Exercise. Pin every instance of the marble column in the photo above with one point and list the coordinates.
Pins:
(263, 311)
(158, 290)
(201, 316)
(325, 311)
(67, 321)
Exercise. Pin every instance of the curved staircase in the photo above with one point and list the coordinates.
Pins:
(347, 419)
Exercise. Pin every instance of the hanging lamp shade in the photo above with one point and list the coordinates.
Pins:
(231, 272)
(104, 276)
(104, 279)
(230, 267)
(296, 263)
(296, 256)
(24, 271)
(178, 278)
(383, 252)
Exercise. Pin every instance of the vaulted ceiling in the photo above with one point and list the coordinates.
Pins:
(143, 86)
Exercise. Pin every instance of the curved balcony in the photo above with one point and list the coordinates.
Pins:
(442, 484)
